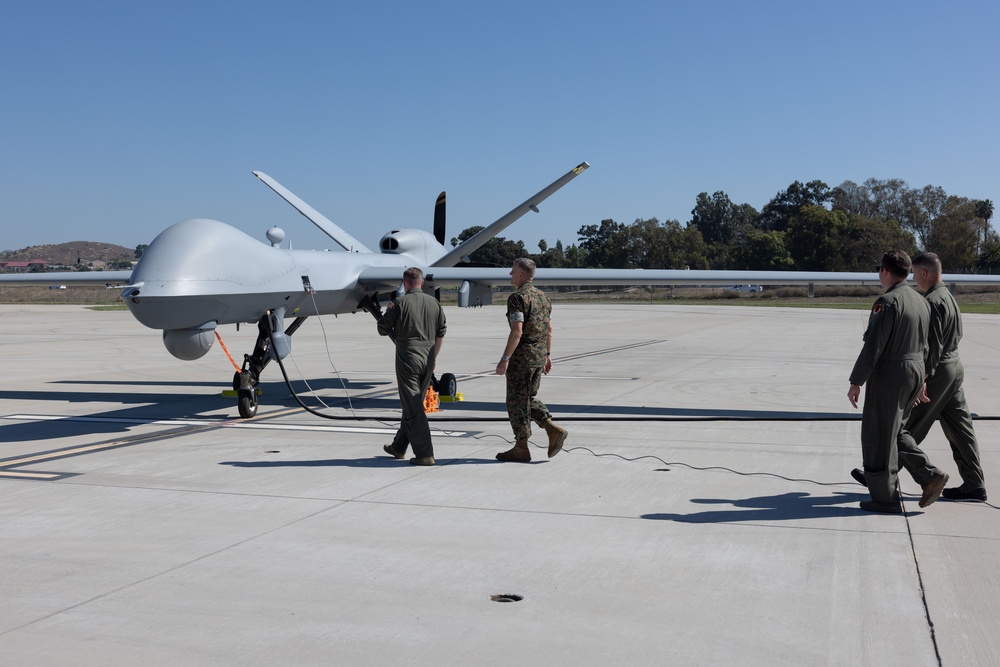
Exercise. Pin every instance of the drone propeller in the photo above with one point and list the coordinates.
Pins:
(439, 218)
(439, 228)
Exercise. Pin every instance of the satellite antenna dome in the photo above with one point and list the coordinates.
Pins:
(275, 235)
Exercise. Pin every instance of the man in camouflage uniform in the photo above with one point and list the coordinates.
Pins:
(944, 397)
(417, 326)
(892, 364)
(525, 358)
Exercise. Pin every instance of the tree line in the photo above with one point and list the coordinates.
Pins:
(806, 227)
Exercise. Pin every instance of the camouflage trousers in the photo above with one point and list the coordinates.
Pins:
(522, 405)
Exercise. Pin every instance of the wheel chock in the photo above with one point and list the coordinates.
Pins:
(232, 393)
(452, 399)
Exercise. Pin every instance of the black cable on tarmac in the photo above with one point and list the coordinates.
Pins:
(387, 422)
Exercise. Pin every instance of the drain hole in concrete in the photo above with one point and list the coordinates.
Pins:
(506, 597)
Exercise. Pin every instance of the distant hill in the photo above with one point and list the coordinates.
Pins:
(84, 253)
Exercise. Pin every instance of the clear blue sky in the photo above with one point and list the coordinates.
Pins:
(121, 118)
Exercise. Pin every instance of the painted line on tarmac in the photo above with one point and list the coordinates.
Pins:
(242, 424)
(45, 476)
(601, 378)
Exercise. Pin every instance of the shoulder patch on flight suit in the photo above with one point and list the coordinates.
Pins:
(876, 309)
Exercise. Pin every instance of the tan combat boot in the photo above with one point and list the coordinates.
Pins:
(519, 452)
(557, 436)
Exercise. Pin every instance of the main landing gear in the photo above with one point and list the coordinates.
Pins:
(273, 343)
(245, 382)
(446, 386)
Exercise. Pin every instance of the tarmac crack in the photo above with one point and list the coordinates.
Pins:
(923, 592)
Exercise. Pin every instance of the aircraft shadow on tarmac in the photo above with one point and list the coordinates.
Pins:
(276, 393)
(138, 407)
(783, 507)
(141, 406)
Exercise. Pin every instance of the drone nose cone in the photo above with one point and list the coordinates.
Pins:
(209, 250)
(192, 272)
(191, 250)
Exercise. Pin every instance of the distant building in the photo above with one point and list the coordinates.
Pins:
(22, 267)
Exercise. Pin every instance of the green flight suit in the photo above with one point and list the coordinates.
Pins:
(945, 375)
(532, 308)
(416, 321)
(891, 364)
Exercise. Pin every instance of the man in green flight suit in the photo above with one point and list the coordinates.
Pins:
(416, 324)
(891, 363)
(525, 358)
(943, 399)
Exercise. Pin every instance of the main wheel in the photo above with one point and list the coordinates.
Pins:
(447, 385)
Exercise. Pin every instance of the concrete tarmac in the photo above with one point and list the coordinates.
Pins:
(701, 514)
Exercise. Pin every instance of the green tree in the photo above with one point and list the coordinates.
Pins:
(822, 240)
(783, 206)
(713, 217)
(891, 199)
(691, 251)
(722, 224)
(605, 245)
(551, 258)
(989, 258)
(645, 244)
(863, 241)
(762, 251)
(576, 258)
(665, 245)
(813, 236)
(139, 249)
(954, 235)
(984, 212)
(498, 251)
(923, 206)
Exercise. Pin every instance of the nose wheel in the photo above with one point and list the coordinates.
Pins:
(246, 393)
(246, 381)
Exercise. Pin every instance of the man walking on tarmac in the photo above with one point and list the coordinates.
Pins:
(416, 324)
(525, 358)
(891, 363)
(943, 398)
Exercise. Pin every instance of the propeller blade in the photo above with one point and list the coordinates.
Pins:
(439, 219)
(439, 228)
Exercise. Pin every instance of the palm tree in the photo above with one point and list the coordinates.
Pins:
(984, 211)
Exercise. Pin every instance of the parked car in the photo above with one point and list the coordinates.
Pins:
(745, 288)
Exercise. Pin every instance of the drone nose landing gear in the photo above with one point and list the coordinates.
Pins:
(246, 381)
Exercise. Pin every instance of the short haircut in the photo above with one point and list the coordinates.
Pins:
(929, 261)
(897, 263)
(527, 265)
(413, 274)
